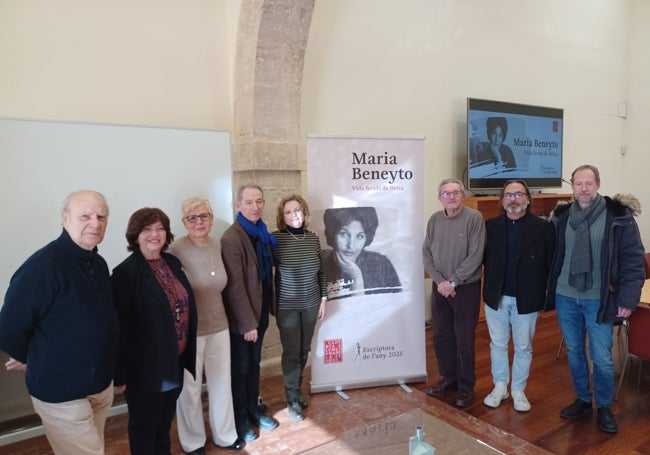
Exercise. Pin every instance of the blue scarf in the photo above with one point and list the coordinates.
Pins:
(263, 239)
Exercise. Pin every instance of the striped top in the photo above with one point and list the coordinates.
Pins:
(299, 271)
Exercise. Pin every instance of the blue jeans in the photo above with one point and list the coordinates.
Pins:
(577, 318)
(523, 330)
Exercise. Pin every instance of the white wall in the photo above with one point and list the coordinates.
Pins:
(144, 62)
(375, 68)
(635, 166)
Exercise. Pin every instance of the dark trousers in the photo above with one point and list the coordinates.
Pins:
(296, 331)
(245, 358)
(454, 327)
(150, 420)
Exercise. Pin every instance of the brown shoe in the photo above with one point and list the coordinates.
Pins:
(464, 398)
(442, 387)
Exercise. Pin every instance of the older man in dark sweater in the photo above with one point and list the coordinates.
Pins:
(58, 325)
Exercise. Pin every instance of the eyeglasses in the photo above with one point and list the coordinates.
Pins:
(193, 218)
(517, 195)
(450, 194)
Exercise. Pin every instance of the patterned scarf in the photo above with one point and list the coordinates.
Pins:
(580, 277)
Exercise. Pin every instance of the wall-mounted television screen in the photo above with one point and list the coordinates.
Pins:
(513, 141)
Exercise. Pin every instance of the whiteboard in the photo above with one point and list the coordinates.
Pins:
(41, 162)
(133, 167)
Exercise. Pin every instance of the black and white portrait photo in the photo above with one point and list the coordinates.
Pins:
(351, 265)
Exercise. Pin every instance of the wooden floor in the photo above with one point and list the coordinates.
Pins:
(549, 389)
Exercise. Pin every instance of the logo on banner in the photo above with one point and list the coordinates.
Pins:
(333, 351)
(376, 353)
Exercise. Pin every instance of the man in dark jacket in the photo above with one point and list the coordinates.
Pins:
(248, 298)
(596, 279)
(58, 325)
(518, 254)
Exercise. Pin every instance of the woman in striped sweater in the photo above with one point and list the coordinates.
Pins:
(301, 294)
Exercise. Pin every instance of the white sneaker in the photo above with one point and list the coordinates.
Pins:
(499, 393)
(520, 401)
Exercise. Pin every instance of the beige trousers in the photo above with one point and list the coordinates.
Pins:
(76, 427)
(213, 357)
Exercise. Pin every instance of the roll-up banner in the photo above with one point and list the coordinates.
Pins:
(365, 197)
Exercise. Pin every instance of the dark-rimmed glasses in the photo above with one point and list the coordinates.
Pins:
(194, 218)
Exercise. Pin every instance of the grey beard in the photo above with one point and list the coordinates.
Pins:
(516, 209)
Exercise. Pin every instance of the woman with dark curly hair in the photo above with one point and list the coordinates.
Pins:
(157, 315)
(350, 268)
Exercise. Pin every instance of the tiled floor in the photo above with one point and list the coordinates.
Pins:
(327, 418)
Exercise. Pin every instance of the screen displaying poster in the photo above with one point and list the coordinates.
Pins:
(365, 196)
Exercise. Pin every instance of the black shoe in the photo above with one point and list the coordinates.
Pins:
(302, 401)
(442, 387)
(606, 420)
(239, 444)
(464, 398)
(263, 422)
(245, 432)
(576, 410)
(199, 451)
(295, 411)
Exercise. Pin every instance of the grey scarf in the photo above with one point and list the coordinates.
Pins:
(580, 277)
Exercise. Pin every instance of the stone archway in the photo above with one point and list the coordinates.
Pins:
(267, 148)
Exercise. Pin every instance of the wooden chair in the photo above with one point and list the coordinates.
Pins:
(638, 342)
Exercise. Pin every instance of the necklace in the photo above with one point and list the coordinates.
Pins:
(207, 250)
(211, 261)
(304, 234)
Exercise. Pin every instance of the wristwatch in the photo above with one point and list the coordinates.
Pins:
(452, 284)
